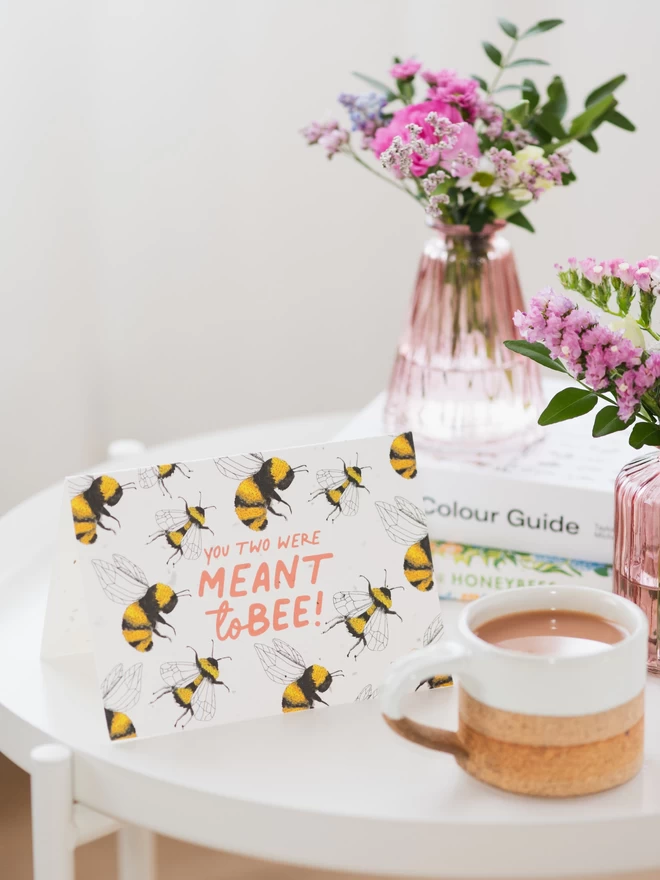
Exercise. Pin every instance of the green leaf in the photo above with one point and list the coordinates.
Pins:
(519, 111)
(644, 434)
(509, 29)
(536, 351)
(510, 87)
(590, 142)
(602, 570)
(494, 54)
(608, 422)
(551, 123)
(504, 206)
(558, 99)
(376, 84)
(521, 62)
(588, 119)
(482, 82)
(519, 219)
(568, 404)
(530, 93)
(542, 26)
(618, 119)
(604, 90)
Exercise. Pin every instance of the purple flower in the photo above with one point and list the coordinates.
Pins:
(593, 271)
(365, 113)
(329, 135)
(405, 70)
(642, 276)
(624, 271)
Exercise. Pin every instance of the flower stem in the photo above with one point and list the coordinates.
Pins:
(503, 66)
(401, 187)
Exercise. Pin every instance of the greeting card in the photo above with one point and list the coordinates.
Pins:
(241, 586)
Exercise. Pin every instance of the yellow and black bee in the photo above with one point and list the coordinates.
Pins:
(120, 692)
(284, 665)
(148, 477)
(260, 482)
(124, 582)
(182, 529)
(365, 616)
(431, 636)
(402, 456)
(90, 499)
(191, 685)
(405, 523)
(340, 488)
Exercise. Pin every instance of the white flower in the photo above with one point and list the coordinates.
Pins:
(630, 329)
(482, 180)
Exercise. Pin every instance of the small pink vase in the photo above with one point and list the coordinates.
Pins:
(637, 542)
(454, 384)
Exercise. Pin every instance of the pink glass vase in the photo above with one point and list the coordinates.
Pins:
(637, 542)
(454, 383)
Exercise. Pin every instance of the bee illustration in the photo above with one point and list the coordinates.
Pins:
(405, 523)
(367, 693)
(120, 692)
(260, 481)
(182, 529)
(284, 665)
(340, 488)
(402, 456)
(148, 477)
(125, 583)
(90, 499)
(432, 635)
(365, 616)
(191, 685)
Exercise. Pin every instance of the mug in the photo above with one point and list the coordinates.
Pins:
(552, 726)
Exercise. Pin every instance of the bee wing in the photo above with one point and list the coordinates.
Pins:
(376, 632)
(126, 691)
(117, 585)
(280, 668)
(367, 693)
(191, 546)
(240, 467)
(147, 477)
(411, 510)
(129, 570)
(76, 485)
(178, 673)
(349, 501)
(111, 679)
(351, 604)
(203, 701)
(289, 652)
(171, 520)
(433, 631)
(399, 525)
(330, 479)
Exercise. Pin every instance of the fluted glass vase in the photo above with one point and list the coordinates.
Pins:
(637, 542)
(454, 383)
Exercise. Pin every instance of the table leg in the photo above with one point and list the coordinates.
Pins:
(53, 834)
(136, 853)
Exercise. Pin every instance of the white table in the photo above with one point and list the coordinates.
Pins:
(328, 789)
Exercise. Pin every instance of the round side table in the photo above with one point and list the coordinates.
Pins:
(328, 789)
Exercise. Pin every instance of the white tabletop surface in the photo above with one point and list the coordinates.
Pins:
(330, 789)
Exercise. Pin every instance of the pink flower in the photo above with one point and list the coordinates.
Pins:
(642, 276)
(593, 271)
(624, 271)
(651, 263)
(416, 114)
(405, 70)
(459, 92)
(441, 78)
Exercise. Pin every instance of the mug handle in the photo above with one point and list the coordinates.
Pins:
(405, 675)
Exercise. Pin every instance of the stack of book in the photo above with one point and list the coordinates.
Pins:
(543, 516)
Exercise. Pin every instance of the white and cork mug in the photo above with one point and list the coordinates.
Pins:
(552, 726)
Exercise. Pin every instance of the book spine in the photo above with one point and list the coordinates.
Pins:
(497, 511)
(465, 571)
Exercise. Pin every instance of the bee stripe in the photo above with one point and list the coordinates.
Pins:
(294, 699)
(120, 726)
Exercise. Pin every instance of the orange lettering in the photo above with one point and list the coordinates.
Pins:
(299, 612)
(217, 582)
(279, 615)
(236, 579)
(316, 559)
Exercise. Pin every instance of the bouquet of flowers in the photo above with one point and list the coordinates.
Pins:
(608, 358)
(456, 149)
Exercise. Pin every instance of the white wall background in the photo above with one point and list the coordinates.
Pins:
(173, 259)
